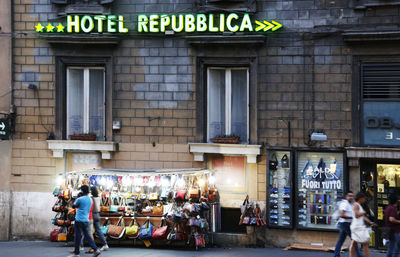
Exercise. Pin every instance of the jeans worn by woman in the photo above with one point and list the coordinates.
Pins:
(96, 223)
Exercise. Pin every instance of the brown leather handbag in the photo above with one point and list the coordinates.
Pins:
(117, 231)
(158, 208)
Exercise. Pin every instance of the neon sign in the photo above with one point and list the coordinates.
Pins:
(160, 23)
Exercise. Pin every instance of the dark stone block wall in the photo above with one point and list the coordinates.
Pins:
(304, 72)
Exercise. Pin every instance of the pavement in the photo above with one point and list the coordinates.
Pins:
(50, 249)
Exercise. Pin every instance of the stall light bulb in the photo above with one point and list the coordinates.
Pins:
(109, 183)
(137, 189)
(126, 181)
(165, 182)
(181, 183)
(211, 180)
(103, 181)
(60, 180)
(202, 182)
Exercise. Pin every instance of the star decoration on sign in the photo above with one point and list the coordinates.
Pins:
(49, 28)
(60, 27)
(39, 27)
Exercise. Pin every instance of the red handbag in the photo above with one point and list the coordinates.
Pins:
(180, 195)
(54, 235)
(160, 232)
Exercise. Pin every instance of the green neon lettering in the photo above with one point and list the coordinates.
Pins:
(88, 19)
(111, 23)
(153, 23)
(189, 23)
(164, 22)
(142, 23)
(211, 23)
(99, 19)
(246, 23)
(74, 23)
(201, 21)
(121, 28)
(229, 22)
(174, 27)
(222, 22)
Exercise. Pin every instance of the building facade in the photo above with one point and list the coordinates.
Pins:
(156, 81)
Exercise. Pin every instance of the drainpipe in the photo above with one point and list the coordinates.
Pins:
(12, 109)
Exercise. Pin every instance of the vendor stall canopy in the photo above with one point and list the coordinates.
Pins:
(137, 179)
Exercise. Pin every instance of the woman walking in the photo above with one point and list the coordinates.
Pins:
(359, 231)
(96, 218)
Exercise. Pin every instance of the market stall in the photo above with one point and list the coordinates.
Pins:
(145, 205)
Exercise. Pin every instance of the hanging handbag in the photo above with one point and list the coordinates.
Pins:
(54, 235)
(199, 240)
(67, 194)
(194, 193)
(273, 163)
(146, 231)
(56, 191)
(117, 231)
(105, 202)
(285, 161)
(132, 231)
(160, 232)
(62, 235)
(58, 206)
(104, 228)
(153, 196)
(165, 194)
(158, 208)
(180, 195)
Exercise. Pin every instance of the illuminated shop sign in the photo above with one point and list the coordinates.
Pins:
(161, 23)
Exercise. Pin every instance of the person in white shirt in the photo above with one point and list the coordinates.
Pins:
(346, 216)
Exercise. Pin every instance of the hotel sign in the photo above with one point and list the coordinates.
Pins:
(160, 23)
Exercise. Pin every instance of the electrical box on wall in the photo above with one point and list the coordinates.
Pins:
(116, 125)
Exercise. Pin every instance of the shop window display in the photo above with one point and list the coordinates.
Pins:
(177, 206)
(279, 189)
(320, 185)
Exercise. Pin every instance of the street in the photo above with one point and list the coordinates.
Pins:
(49, 249)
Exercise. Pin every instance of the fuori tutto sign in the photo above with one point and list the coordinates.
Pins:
(160, 23)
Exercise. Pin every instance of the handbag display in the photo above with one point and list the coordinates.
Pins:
(180, 195)
(132, 231)
(146, 231)
(285, 161)
(117, 231)
(158, 208)
(160, 232)
(273, 163)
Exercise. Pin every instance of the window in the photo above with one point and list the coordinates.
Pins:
(228, 102)
(361, 4)
(86, 101)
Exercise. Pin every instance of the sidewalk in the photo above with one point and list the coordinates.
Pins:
(49, 249)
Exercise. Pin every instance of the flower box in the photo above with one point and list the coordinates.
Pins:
(83, 137)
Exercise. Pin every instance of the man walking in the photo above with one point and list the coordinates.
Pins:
(83, 203)
(346, 216)
(392, 220)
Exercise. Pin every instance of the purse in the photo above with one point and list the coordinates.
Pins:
(165, 194)
(180, 195)
(56, 191)
(194, 193)
(62, 236)
(285, 161)
(158, 208)
(273, 163)
(153, 196)
(105, 203)
(54, 235)
(104, 228)
(67, 194)
(199, 240)
(132, 231)
(117, 231)
(160, 232)
(146, 231)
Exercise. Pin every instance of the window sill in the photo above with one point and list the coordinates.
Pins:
(59, 147)
(250, 151)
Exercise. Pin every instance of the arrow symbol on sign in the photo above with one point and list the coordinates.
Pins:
(265, 25)
(2, 126)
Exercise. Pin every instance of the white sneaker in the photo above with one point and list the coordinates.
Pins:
(104, 248)
(73, 255)
(96, 253)
(82, 249)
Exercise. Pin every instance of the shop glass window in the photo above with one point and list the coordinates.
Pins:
(279, 189)
(86, 101)
(320, 186)
(228, 98)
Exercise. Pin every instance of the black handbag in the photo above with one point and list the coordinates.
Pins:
(273, 163)
(285, 161)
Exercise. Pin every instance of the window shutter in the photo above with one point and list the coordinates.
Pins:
(380, 81)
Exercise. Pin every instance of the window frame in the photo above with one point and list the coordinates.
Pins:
(245, 59)
(86, 98)
(62, 62)
(228, 100)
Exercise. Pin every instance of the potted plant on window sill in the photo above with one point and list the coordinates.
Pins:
(83, 137)
(226, 139)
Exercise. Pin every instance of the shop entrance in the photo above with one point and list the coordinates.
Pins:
(379, 179)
